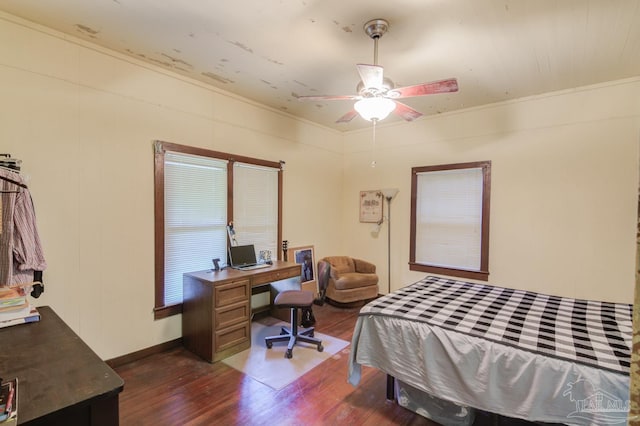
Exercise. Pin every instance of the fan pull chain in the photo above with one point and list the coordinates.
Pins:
(373, 150)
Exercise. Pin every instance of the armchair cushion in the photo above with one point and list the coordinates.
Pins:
(351, 280)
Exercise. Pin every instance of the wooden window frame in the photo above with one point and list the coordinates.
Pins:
(483, 273)
(160, 148)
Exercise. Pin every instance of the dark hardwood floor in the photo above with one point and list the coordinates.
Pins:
(176, 387)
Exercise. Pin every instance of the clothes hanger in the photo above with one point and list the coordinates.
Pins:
(22, 185)
(13, 166)
(10, 163)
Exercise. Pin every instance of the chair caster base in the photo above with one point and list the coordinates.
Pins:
(288, 354)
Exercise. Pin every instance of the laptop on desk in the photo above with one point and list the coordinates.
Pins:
(244, 258)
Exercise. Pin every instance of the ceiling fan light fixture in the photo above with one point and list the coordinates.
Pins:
(376, 108)
(377, 93)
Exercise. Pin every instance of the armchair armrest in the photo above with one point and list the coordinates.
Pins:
(364, 267)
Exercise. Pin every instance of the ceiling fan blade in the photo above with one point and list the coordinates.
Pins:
(347, 117)
(371, 75)
(406, 112)
(441, 86)
(328, 98)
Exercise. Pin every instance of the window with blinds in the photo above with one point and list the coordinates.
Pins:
(450, 219)
(197, 193)
(255, 206)
(195, 212)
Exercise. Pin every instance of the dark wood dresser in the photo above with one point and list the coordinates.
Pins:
(61, 381)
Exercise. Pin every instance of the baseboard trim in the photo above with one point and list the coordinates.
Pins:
(143, 353)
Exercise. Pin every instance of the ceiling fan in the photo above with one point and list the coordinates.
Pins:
(377, 94)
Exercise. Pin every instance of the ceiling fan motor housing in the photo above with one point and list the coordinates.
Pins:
(387, 85)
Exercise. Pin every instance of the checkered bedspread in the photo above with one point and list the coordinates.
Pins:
(582, 331)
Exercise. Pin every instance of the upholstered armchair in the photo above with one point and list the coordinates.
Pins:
(351, 280)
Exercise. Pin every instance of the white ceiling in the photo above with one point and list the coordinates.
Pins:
(272, 51)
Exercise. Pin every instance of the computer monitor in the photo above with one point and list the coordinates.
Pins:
(242, 255)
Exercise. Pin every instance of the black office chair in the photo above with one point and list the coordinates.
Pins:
(299, 300)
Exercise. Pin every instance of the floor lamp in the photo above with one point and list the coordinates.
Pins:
(388, 194)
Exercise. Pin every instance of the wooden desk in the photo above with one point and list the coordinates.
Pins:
(61, 381)
(216, 307)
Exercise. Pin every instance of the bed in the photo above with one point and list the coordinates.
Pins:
(511, 352)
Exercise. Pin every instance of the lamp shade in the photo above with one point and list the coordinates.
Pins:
(389, 192)
(374, 108)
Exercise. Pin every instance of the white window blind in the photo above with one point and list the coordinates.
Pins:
(255, 206)
(449, 218)
(195, 191)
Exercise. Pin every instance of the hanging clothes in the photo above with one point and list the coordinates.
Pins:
(21, 253)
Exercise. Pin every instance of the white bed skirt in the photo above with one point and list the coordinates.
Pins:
(486, 375)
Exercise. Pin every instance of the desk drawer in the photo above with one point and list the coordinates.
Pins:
(232, 336)
(269, 277)
(232, 292)
(232, 314)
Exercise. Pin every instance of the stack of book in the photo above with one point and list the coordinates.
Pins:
(15, 307)
(9, 402)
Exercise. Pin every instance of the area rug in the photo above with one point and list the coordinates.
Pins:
(269, 366)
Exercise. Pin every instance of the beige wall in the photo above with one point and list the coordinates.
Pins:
(83, 119)
(563, 195)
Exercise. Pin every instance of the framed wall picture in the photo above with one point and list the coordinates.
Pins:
(371, 206)
(306, 257)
